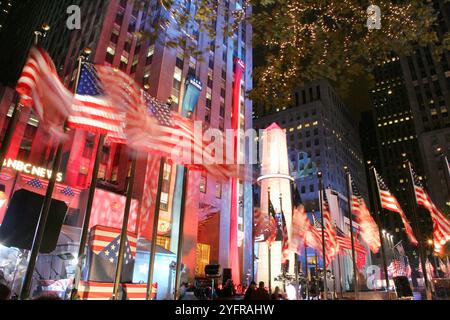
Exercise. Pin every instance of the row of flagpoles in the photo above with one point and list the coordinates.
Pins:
(323, 238)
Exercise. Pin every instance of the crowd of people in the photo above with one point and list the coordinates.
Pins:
(229, 291)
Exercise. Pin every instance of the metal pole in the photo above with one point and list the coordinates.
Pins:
(350, 217)
(270, 250)
(87, 217)
(283, 266)
(297, 279)
(325, 289)
(378, 210)
(340, 279)
(420, 238)
(180, 234)
(155, 229)
(39, 234)
(306, 271)
(123, 235)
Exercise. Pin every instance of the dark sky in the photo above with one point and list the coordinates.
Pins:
(358, 99)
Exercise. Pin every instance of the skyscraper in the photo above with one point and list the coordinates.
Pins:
(428, 87)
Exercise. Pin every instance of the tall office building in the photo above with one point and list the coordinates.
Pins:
(114, 30)
(428, 87)
(411, 100)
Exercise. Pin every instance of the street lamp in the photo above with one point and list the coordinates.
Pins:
(42, 32)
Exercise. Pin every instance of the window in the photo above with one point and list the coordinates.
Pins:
(218, 190)
(303, 189)
(203, 183)
(165, 189)
(311, 188)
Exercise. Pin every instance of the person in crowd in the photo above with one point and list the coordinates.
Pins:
(228, 290)
(183, 289)
(189, 294)
(5, 292)
(276, 295)
(243, 289)
(249, 291)
(261, 293)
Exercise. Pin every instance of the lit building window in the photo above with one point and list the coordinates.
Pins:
(203, 183)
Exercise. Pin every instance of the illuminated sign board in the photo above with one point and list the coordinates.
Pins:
(31, 169)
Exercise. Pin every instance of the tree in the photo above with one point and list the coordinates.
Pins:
(301, 40)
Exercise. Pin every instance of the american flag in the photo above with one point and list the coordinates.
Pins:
(273, 224)
(152, 126)
(429, 267)
(90, 290)
(92, 110)
(398, 268)
(444, 268)
(345, 243)
(39, 86)
(285, 243)
(441, 224)
(369, 229)
(390, 202)
(331, 243)
(302, 229)
(105, 242)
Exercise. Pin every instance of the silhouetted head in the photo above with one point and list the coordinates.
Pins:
(262, 285)
(5, 292)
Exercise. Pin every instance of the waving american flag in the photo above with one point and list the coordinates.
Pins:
(92, 110)
(369, 229)
(390, 202)
(441, 224)
(152, 126)
(40, 87)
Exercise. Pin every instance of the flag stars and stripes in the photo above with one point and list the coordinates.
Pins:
(36, 183)
(390, 202)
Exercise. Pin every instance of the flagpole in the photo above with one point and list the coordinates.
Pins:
(155, 229)
(283, 265)
(39, 233)
(180, 233)
(269, 247)
(319, 175)
(378, 210)
(350, 216)
(123, 235)
(413, 205)
(91, 193)
(307, 269)
(340, 278)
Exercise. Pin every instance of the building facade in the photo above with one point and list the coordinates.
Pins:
(115, 31)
